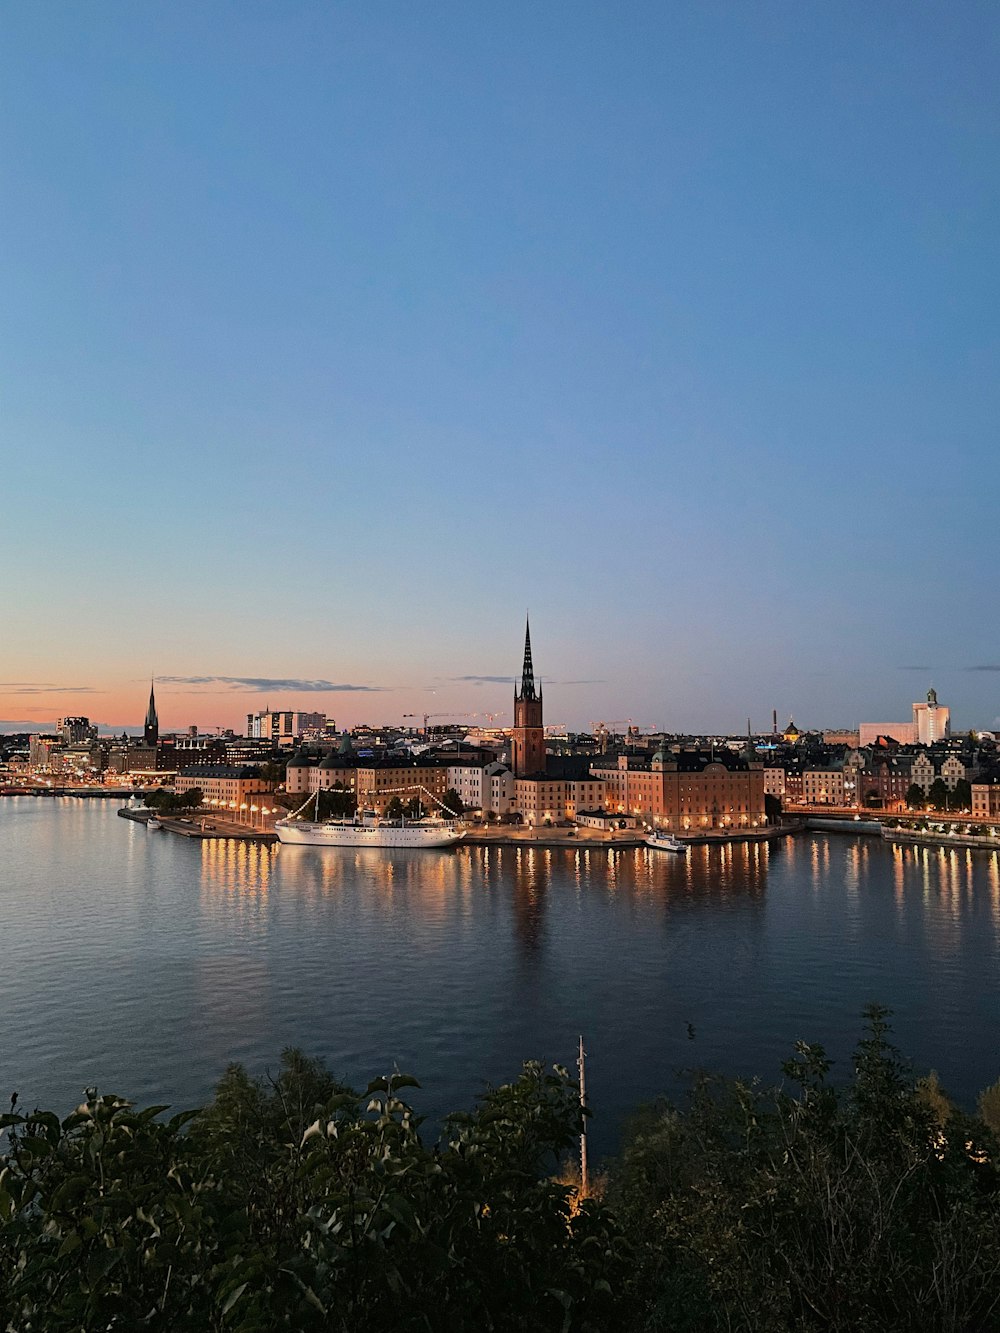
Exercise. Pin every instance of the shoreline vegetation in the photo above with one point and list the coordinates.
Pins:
(292, 1201)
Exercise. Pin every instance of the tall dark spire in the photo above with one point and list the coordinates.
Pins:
(528, 733)
(151, 728)
(527, 671)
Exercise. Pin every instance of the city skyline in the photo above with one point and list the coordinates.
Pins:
(488, 712)
(333, 337)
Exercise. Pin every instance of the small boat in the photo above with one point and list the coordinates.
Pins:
(666, 842)
(153, 825)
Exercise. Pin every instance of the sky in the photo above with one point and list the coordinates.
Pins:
(337, 336)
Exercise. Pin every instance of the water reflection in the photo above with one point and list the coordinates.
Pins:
(531, 871)
(460, 964)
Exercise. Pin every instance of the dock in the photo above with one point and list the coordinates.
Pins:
(201, 828)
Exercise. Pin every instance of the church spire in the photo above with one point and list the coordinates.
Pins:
(151, 728)
(528, 733)
(528, 671)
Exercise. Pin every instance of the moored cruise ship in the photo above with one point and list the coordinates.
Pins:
(368, 829)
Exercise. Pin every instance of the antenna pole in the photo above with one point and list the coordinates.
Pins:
(584, 1173)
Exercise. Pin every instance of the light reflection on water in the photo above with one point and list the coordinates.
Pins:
(145, 962)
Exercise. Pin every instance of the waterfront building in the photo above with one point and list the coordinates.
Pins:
(40, 749)
(550, 800)
(378, 783)
(986, 799)
(487, 787)
(685, 789)
(83, 757)
(374, 782)
(498, 790)
(823, 786)
(128, 756)
(885, 780)
(224, 783)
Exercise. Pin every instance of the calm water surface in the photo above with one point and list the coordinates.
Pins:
(145, 962)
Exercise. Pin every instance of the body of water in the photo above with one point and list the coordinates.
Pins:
(144, 963)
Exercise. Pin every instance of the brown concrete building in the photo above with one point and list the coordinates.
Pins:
(986, 800)
(685, 790)
(222, 782)
(550, 800)
(823, 786)
(373, 783)
(132, 757)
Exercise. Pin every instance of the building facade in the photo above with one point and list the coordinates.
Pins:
(986, 800)
(685, 790)
(223, 783)
(931, 720)
(284, 728)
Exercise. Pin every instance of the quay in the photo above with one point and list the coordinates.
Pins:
(901, 829)
(201, 828)
(81, 793)
(591, 838)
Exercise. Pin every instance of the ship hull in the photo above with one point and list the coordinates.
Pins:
(303, 833)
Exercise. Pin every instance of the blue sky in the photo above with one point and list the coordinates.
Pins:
(335, 336)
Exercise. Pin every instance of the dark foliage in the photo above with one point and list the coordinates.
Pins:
(869, 1207)
(294, 1204)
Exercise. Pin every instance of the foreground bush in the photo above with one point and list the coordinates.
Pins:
(299, 1205)
(870, 1207)
(292, 1203)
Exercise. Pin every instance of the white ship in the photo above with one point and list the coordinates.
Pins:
(367, 829)
(666, 842)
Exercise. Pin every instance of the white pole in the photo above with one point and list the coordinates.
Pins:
(584, 1174)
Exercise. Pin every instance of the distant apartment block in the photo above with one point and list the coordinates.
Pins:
(931, 722)
(72, 730)
(285, 728)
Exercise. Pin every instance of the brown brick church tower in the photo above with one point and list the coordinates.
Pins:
(528, 749)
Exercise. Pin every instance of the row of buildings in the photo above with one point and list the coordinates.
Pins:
(75, 750)
(677, 784)
(676, 787)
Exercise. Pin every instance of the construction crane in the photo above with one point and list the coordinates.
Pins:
(605, 729)
(490, 717)
(425, 716)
